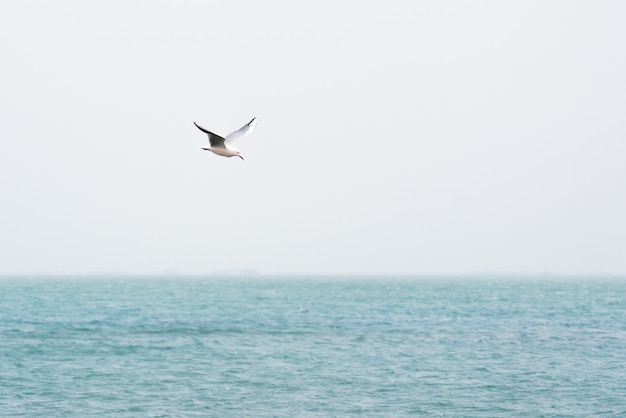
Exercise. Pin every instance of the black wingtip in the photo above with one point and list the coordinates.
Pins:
(201, 128)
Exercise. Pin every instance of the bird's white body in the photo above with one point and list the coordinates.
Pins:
(224, 152)
(222, 146)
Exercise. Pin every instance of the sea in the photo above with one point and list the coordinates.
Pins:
(308, 346)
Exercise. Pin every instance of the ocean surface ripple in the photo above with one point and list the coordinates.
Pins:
(306, 346)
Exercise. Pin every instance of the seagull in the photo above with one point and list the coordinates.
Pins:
(222, 146)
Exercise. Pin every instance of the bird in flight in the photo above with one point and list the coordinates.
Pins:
(222, 146)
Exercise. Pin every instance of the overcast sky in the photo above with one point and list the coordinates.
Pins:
(392, 137)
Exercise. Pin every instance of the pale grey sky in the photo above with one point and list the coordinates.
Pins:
(392, 137)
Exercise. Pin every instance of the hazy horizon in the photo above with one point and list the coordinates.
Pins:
(254, 274)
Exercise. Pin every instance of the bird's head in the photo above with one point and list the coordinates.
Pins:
(239, 155)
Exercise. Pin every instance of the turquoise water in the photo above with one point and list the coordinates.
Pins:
(183, 346)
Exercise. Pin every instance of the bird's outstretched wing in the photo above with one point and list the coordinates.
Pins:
(241, 132)
(215, 140)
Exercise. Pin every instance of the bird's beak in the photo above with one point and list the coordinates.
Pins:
(240, 157)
